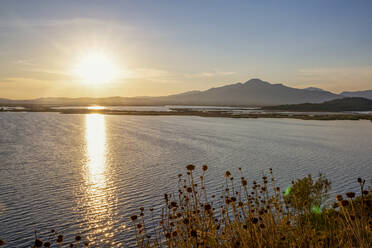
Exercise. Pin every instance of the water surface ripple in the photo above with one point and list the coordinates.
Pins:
(86, 174)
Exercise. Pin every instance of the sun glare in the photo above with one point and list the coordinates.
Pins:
(96, 69)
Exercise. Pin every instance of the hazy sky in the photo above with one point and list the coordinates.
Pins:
(165, 47)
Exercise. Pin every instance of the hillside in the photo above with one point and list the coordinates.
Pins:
(254, 92)
(364, 94)
(338, 105)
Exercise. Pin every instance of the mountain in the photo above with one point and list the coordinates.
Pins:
(365, 94)
(314, 89)
(254, 92)
(4, 100)
(338, 105)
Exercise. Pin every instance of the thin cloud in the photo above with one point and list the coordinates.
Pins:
(336, 78)
(210, 74)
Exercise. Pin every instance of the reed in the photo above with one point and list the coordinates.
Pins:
(261, 215)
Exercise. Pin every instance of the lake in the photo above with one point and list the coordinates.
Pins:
(87, 174)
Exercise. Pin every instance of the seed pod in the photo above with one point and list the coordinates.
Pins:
(190, 167)
(350, 194)
(38, 243)
(344, 203)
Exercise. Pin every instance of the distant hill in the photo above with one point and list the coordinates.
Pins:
(4, 100)
(254, 92)
(314, 89)
(338, 105)
(365, 94)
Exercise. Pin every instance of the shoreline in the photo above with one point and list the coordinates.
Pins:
(222, 114)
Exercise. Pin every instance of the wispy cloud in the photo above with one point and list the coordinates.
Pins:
(213, 73)
(336, 78)
(337, 71)
(38, 75)
(59, 23)
(147, 73)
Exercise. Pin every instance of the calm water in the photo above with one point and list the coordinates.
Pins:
(86, 174)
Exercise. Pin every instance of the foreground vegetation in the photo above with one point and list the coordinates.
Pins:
(259, 215)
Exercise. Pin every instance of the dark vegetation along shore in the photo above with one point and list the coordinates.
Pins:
(338, 105)
(265, 113)
(249, 214)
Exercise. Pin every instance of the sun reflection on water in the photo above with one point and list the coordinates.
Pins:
(99, 197)
(96, 149)
(96, 107)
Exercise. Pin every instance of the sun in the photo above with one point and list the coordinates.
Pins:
(95, 69)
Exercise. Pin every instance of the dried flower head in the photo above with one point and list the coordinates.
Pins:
(350, 194)
(174, 204)
(190, 167)
(254, 220)
(38, 243)
(207, 207)
(59, 238)
(344, 203)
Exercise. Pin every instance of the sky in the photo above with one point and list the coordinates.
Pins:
(167, 47)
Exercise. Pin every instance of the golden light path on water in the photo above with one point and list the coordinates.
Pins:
(99, 196)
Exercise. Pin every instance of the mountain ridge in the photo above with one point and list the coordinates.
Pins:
(363, 93)
(254, 92)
